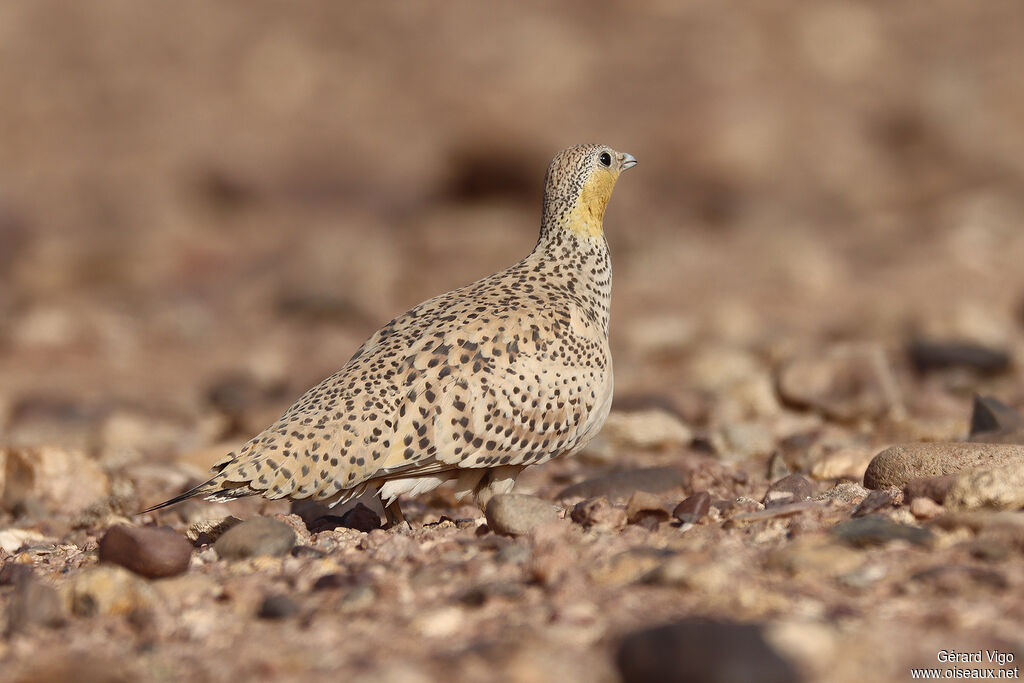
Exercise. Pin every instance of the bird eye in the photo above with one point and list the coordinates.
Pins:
(605, 159)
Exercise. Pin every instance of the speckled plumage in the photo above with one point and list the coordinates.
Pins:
(470, 386)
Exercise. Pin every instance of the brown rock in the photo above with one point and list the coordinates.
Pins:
(151, 552)
(792, 489)
(598, 513)
(642, 505)
(847, 382)
(254, 537)
(693, 508)
(515, 514)
(927, 356)
(897, 465)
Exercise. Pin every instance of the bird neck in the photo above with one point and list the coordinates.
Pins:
(584, 266)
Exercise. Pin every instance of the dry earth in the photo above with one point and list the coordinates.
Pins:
(205, 209)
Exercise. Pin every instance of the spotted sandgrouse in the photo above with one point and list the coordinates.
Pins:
(470, 386)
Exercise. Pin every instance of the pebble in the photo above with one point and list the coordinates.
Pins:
(897, 465)
(622, 484)
(32, 604)
(254, 537)
(999, 488)
(598, 513)
(842, 463)
(875, 502)
(644, 505)
(150, 552)
(846, 382)
(697, 649)
(277, 607)
(875, 530)
(927, 356)
(108, 590)
(646, 429)
(206, 531)
(991, 416)
(361, 518)
(790, 489)
(925, 508)
(693, 508)
(515, 514)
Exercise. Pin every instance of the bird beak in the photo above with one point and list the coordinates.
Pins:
(628, 161)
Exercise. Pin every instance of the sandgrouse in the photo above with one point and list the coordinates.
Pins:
(470, 386)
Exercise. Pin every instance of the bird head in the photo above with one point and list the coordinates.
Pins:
(577, 188)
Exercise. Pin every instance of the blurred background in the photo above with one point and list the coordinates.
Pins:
(215, 204)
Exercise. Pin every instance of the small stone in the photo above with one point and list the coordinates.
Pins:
(206, 531)
(328, 523)
(845, 492)
(697, 649)
(254, 537)
(990, 415)
(515, 514)
(598, 513)
(333, 581)
(277, 607)
(988, 549)
(150, 552)
(792, 489)
(928, 356)
(693, 508)
(875, 502)
(999, 488)
(936, 488)
(108, 590)
(897, 465)
(925, 508)
(644, 505)
(874, 530)
(645, 429)
(842, 463)
(361, 518)
(847, 382)
(622, 484)
(34, 603)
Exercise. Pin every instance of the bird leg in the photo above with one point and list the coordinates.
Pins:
(393, 515)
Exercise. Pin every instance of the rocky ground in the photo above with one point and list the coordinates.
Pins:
(812, 470)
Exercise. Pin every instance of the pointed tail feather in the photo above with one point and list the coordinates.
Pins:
(213, 489)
